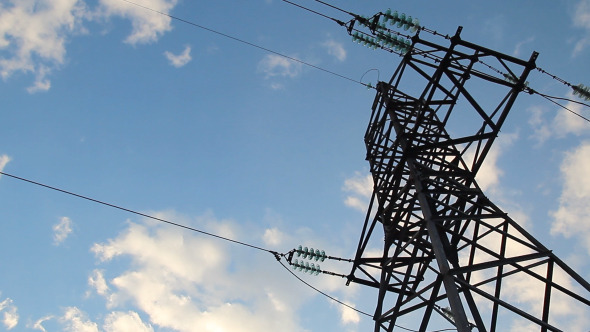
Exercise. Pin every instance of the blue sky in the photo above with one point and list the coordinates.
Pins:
(116, 102)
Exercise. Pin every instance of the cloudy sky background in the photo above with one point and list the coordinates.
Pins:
(122, 104)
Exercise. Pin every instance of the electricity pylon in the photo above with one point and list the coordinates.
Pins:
(448, 250)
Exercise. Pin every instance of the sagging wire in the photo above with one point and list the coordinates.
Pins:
(244, 41)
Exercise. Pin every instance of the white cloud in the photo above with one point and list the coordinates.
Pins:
(180, 59)
(567, 123)
(360, 187)
(518, 47)
(489, 175)
(4, 159)
(348, 315)
(273, 65)
(564, 123)
(541, 129)
(335, 49)
(180, 280)
(147, 25)
(61, 230)
(277, 86)
(33, 35)
(77, 321)
(581, 19)
(273, 237)
(9, 314)
(98, 282)
(125, 321)
(38, 325)
(571, 217)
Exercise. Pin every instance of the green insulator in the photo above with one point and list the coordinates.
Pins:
(305, 252)
(369, 86)
(402, 20)
(299, 250)
(392, 41)
(394, 17)
(311, 253)
(317, 255)
(312, 268)
(407, 45)
(415, 25)
(407, 23)
(388, 12)
(318, 270)
(295, 264)
(323, 256)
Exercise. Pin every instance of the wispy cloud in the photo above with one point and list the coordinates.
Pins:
(359, 188)
(62, 230)
(38, 324)
(98, 282)
(562, 124)
(518, 48)
(9, 314)
(75, 320)
(4, 159)
(180, 59)
(335, 49)
(273, 65)
(273, 237)
(570, 219)
(581, 19)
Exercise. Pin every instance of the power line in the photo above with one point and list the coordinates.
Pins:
(315, 12)
(246, 42)
(138, 213)
(275, 254)
(436, 58)
(347, 305)
(550, 98)
(325, 294)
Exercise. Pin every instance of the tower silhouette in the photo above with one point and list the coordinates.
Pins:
(449, 252)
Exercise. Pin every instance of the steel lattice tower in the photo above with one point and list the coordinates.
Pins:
(449, 251)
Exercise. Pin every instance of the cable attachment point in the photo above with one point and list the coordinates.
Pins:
(276, 254)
